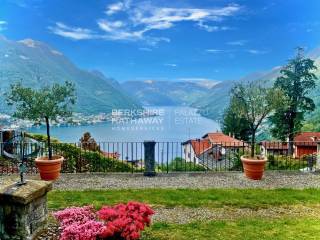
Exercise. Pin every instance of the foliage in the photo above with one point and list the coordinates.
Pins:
(236, 161)
(81, 160)
(180, 165)
(46, 103)
(123, 221)
(254, 101)
(41, 137)
(281, 162)
(78, 160)
(296, 82)
(235, 124)
(89, 143)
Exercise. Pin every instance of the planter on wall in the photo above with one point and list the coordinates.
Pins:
(253, 167)
(49, 169)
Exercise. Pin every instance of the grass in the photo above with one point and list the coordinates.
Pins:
(281, 227)
(248, 229)
(212, 198)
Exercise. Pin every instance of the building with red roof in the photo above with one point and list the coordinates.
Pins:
(212, 147)
(305, 143)
(225, 140)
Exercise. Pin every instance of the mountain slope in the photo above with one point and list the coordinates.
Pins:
(37, 64)
(213, 104)
(168, 93)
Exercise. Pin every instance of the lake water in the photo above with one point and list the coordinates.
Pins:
(174, 124)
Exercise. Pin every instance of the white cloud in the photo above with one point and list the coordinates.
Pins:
(195, 79)
(256, 51)
(138, 19)
(55, 52)
(145, 49)
(23, 57)
(170, 64)
(74, 33)
(237, 43)
(117, 7)
(3, 25)
(215, 50)
(210, 28)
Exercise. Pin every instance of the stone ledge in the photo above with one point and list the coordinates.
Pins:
(13, 193)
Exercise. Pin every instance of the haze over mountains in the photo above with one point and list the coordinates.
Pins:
(36, 64)
(168, 93)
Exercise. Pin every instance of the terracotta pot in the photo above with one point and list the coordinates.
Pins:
(49, 169)
(253, 168)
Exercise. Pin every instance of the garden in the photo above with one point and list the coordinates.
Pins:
(83, 192)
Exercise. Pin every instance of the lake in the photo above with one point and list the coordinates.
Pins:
(173, 124)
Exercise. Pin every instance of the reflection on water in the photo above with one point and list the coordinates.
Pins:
(173, 124)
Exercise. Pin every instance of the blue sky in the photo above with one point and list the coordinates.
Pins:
(165, 39)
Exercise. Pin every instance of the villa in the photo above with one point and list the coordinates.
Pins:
(210, 151)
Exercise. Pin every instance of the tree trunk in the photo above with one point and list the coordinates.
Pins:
(291, 136)
(290, 144)
(48, 138)
(253, 141)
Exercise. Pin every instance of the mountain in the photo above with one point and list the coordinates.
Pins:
(36, 64)
(213, 104)
(168, 93)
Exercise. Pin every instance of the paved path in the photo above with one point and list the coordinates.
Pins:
(271, 180)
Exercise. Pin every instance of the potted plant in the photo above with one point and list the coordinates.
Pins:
(254, 102)
(39, 105)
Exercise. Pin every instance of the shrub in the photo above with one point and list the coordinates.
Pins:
(78, 160)
(123, 221)
(180, 165)
(82, 160)
(282, 162)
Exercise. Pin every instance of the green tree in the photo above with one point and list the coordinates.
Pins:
(296, 81)
(43, 104)
(235, 124)
(253, 102)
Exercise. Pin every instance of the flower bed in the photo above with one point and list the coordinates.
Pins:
(122, 221)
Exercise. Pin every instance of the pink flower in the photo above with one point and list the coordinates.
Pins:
(122, 221)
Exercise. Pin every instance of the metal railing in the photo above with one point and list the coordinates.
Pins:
(190, 156)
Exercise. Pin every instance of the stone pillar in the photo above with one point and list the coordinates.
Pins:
(23, 209)
(149, 158)
(318, 157)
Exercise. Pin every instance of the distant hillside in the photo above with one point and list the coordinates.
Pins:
(36, 64)
(213, 104)
(168, 93)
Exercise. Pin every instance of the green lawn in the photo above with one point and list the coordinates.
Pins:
(248, 229)
(213, 198)
(282, 227)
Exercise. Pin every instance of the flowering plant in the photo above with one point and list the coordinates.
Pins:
(122, 221)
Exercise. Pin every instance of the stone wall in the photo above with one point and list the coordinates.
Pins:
(23, 209)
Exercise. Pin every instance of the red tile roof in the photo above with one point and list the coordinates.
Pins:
(275, 145)
(224, 140)
(199, 145)
(307, 138)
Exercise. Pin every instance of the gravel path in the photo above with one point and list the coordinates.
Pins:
(184, 215)
(271, 180)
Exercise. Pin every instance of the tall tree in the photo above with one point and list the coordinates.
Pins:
(296, 81)
(235, 124)
(43, 104)
(253, 102)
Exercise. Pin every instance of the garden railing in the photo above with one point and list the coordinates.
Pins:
(190, 156)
